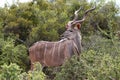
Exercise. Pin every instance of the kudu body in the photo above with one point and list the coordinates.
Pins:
(55, 53)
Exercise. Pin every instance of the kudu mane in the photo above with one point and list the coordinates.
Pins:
(55, 53)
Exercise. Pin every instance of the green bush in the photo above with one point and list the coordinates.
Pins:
(101, 44)
(36, 74)
(91, 66)
(10, 72)
(11, 53)
(44, 20)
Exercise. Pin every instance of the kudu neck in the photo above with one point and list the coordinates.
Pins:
(77, 40)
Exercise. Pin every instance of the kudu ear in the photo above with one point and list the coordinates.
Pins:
(77, 26)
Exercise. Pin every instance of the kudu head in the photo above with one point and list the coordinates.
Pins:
(74, 25)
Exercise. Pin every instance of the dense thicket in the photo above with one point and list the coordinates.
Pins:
(22, 24)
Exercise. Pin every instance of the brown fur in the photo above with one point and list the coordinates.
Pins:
(51, 53)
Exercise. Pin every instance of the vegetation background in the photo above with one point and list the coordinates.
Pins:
(22, 24)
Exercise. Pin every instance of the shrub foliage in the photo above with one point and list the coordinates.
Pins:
(22, 24)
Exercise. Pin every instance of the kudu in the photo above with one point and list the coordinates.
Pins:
(55, 53)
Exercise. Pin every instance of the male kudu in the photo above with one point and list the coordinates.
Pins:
(55, 53)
